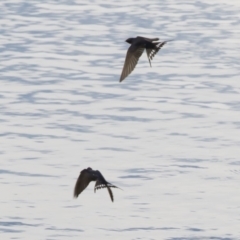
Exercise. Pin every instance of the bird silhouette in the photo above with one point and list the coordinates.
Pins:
(88, 175)
(135, 51)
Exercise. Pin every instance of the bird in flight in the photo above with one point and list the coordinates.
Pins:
(88, 175)
(135, 51)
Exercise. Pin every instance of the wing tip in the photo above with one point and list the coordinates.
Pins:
(75, 195)
(122, 77)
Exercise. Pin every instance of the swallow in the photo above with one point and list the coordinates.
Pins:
(88, 175)
(135, 51)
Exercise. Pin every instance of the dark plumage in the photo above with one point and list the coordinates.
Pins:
(135, 51)
(88, 175)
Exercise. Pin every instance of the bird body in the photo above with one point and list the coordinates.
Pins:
(138, 45)
(88, 175)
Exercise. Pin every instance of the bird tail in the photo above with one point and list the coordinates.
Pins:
(110, 193)
(109, 186)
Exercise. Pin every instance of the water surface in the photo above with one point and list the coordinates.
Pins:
(167, 135)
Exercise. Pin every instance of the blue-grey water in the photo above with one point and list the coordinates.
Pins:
(169, 135)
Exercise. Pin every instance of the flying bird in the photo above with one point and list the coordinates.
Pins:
(135, 51)
(88, 175)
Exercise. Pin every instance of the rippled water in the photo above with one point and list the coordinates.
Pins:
(167, 135)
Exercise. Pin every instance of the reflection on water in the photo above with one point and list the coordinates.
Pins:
(167, 135)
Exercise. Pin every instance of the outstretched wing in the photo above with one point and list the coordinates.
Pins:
(100, 184)
(131, 60)
(82, 182)
(151, 52)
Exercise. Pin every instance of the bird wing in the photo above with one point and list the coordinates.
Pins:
(149, 39)
(131, 60)
(100, 184)
(151, 52)
(82, 182)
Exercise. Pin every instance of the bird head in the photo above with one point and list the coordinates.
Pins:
(129, 40)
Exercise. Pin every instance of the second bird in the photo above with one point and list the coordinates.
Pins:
(88, 175)
(135, 51)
